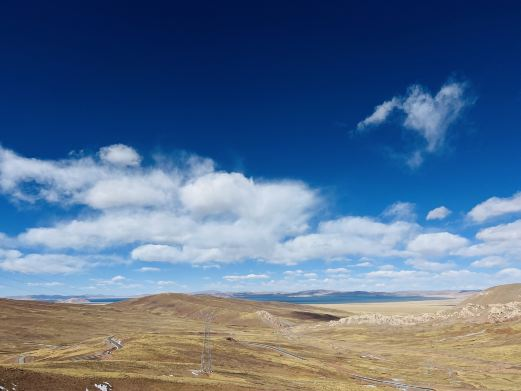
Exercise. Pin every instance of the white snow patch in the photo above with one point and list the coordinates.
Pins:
(105, 386)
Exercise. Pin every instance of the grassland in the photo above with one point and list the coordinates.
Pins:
(64, 348)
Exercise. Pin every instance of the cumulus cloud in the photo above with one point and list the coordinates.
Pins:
(347, 236)
(489, 262)
(427, 115)
(439, 243)
(43, 264)
(439, 213)
(501, 240)
(185, 211)
(510, 232)
(120, 155)
(85, 181)
(494, 207)
(172, 254)
(423, 264)
(172, 211)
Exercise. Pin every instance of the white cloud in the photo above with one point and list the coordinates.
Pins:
(116, 280)
(10, 254)
(401, 211)
(423, 264)
(43, 264)
(120, 155)
(427, 115)
(246, 277)
(494, 207)
(387, 267)
(182, 212)
(344, 237)
(285, 204)
(489, 262)
(109, 229)
(187, 212)
(380, 114)
(439, 243)
(166, 283)
(439, 213)
(396, 274)
(511, 273)
(84, 181)
(148, 269)
(501, 240)
(502, 232)
(153, 189)
(292, 273)
(45, 284)
(338, 270)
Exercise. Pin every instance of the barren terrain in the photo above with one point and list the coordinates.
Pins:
(155, 343)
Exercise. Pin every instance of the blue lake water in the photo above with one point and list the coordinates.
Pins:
(337, 298)
(108, 300)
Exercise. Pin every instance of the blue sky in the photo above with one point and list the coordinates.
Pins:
(259, 146)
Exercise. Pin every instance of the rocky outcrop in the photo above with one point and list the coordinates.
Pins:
(491, 313)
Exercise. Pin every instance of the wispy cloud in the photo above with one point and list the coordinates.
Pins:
(427, 115)
(401, 211)
(246, 277)
(45, 284)
(146, 269)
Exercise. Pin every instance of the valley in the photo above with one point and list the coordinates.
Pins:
(155, 343)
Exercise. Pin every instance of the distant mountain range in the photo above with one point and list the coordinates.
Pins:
(323, 292)
(75, 299)
(308, 296)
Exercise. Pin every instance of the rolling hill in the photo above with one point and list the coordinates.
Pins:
(501, 294)
(255, 346)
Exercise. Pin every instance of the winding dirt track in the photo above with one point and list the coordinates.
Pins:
(271, 347)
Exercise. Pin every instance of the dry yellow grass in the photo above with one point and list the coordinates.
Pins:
(162, 344)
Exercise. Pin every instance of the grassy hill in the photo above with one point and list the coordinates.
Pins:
(227, 310)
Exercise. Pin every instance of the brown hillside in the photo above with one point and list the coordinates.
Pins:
(500, 294)
(226, 310)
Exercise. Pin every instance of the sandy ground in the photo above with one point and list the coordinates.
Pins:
(403, 307)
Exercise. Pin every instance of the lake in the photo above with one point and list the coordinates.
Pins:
(334, 298)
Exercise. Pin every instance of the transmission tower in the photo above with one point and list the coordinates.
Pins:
(206, 354)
